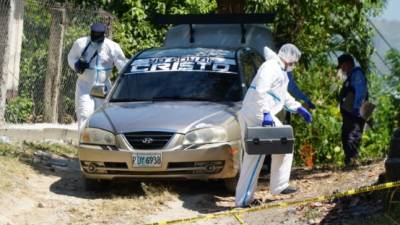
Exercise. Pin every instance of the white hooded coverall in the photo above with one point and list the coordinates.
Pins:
(267, 93)
(109, 55)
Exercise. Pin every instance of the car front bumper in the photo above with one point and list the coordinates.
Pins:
(213, 161)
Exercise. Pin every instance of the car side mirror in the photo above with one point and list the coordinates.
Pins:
(99, 91)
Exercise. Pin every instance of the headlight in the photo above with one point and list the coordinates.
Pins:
(97, 137)
(205, 135)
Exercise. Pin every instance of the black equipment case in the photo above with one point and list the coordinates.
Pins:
(269, 140)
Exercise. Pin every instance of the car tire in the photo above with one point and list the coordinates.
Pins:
(96, 184)
(231, 183)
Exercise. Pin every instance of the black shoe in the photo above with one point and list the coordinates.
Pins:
(256, 202)
(288, 190)
(352, 163)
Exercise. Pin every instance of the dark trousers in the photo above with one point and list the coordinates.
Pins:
(288, 118)
(352, 130)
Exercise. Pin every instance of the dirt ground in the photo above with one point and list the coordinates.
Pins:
(47, 189)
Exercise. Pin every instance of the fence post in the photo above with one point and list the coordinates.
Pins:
(54, 65)
(4, 18)
(15, 35)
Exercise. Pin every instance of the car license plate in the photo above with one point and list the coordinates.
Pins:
(147, 159)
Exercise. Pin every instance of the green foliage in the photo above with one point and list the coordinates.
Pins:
(322, 85)
(18, 110)
(34, 54)
(26, 150)
(392, 84)
(324, 133)
(386, 118)
(322, 27)
(135, 30)
(58, 149)
(376, 140)
(7, 150)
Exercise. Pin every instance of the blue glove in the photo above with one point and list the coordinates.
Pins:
(305, 114)
(81, 66)
(268, 120)
(310, 105)
(356, 112)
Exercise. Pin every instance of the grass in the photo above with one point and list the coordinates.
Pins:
(125, 206)
(11, 170)
(313, 213)
(58, 149)
(12, 154)
(26, 149)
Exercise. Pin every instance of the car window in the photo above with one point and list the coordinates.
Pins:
(258, 60)
(250, 61)
(249, 69)
(197, 78)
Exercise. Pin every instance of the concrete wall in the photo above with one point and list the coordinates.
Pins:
(41, 132)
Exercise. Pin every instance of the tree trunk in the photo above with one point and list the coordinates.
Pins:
(230, 6)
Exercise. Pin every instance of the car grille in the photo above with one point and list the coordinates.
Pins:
(148, 140)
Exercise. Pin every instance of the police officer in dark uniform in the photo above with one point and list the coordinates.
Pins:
(353, 93)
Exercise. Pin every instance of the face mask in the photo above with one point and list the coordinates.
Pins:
(290, 68)
(95, 45)
(97, 37)
(341, 74)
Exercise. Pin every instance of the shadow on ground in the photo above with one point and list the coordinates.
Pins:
(367, 209)
(200, 196)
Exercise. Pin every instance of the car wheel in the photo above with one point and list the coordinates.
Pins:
(96, 184)
(231, 183)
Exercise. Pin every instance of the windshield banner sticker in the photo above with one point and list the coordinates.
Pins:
(187, 63)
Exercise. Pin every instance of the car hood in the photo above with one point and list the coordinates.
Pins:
(177, 117)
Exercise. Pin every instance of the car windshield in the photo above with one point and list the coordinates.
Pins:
(178, 85)
(193, 78)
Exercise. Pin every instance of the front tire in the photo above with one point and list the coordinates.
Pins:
(231, 184)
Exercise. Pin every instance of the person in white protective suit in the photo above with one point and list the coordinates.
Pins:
(93, 58)
(266, 96)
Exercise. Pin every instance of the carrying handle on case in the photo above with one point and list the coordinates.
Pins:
(256, 141)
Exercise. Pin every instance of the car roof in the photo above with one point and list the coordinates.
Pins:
(225, 36)
(182, 52)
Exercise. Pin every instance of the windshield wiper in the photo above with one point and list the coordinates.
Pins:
(127, 100)
(177, 98)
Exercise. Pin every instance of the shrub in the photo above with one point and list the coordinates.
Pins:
(19, 110)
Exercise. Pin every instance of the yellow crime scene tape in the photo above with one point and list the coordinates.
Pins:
(237, 211)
